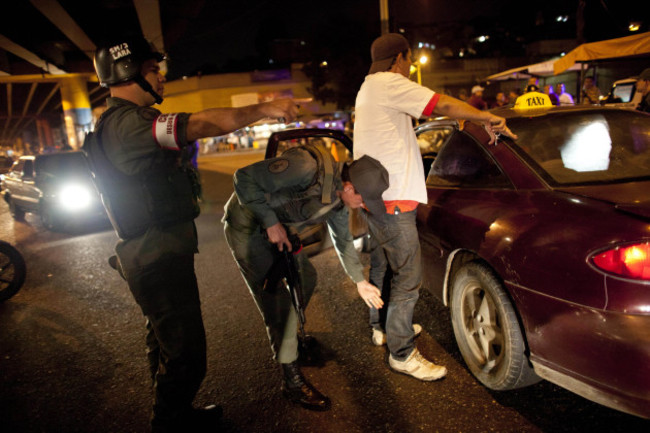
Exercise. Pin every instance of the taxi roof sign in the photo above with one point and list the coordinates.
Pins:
(533, 100)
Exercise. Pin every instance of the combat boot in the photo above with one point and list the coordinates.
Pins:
(296, 388)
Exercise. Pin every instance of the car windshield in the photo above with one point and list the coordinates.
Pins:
(58, 164)
(583, 147)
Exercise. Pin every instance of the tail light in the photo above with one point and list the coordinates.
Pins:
(629, 261)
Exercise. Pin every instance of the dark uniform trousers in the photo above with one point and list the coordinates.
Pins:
(168, 294)
(255, 256)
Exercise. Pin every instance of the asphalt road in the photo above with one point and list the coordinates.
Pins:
(72, 354)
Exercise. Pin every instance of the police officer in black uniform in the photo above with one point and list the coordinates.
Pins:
(141, 164)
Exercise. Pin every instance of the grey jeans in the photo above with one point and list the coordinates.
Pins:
(397, 236)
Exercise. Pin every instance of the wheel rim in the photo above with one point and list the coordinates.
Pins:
(482, 327)
(7, 272)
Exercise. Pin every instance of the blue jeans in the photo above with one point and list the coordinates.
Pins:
(397, 236)
(380, 275)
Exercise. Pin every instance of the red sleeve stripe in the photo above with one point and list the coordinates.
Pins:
(165, 131)
(431, 105)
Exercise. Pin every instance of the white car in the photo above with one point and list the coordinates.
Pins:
(623, 94)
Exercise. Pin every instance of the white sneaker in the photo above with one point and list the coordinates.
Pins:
(418, 366)
(379, 336)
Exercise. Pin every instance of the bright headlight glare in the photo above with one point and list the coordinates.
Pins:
(74, 197)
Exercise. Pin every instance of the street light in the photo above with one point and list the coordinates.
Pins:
(417, 67)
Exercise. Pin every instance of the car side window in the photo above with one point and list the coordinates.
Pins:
(28, 169)
(462, 162)
(430, 142)
(333, 146)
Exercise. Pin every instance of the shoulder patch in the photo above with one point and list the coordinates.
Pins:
(279, 166)
(148, 113)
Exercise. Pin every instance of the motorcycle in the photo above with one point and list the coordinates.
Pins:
(12, 271)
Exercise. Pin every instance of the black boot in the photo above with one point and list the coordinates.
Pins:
(296, 388)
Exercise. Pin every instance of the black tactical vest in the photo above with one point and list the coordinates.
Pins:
(163, 196)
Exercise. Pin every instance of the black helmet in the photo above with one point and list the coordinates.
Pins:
(121, 61)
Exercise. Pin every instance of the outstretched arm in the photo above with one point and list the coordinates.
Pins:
(219, 121)
(457, 109)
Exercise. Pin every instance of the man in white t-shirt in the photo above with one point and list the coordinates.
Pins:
(385, 107)
(564, 97)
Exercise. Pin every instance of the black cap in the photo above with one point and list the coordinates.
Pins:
(370, 179)
(384, 49)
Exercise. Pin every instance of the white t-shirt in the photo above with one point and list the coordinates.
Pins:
(565, 99)
(383, 129)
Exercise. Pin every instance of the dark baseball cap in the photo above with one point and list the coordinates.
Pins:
(645, 75)
(384, 49)
(370, 179)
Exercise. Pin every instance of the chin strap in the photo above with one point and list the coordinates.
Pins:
(144, 84)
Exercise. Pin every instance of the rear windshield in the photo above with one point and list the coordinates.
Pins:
(68, 164)
(596, 146)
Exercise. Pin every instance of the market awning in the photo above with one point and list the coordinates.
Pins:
(541, 69)
(514, 74)
(609, 49)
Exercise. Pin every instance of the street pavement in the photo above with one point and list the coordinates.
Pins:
(72, 354)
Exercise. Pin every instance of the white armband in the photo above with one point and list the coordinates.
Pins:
(164, 131)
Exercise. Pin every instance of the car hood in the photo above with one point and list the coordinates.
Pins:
(630, 197)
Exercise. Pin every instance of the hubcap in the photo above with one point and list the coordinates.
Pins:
(482, 327)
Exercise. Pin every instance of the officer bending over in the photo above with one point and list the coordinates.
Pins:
(141, 162)
(305, 184)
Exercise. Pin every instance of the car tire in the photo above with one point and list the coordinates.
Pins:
(16, 211)
(12, 271)
(50, 219)
(487, 330)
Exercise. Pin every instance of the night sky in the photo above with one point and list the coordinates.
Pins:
(232, 36)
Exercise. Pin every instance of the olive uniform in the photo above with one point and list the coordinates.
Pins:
(290, 190)
(150, 194)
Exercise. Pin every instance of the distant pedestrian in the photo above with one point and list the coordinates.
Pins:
(562, 95)
(500, 100)
(476, 100)
(548, 89)
(590, 92)
(533, 85)
(643, 87)
(513, 95)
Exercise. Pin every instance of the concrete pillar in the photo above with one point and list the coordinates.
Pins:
(76, 110)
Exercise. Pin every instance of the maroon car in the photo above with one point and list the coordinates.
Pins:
(540, 247)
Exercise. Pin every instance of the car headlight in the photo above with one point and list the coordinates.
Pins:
(74, 197)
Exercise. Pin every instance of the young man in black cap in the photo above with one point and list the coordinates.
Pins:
(385, 107)
(643, 87)
(303, 186)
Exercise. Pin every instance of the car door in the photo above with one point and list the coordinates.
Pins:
(31, 195)
(14, 181)
(315, 238)
(460, 187)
